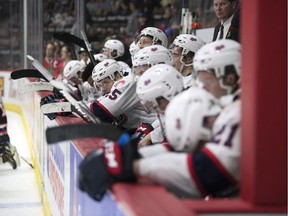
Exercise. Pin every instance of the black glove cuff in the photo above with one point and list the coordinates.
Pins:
(4, 138)
(94, 183)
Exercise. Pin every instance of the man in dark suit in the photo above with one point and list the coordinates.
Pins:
(227, 11)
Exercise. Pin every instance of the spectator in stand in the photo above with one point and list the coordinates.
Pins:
(84, 57)
(148, 7)
(118, 7)
(132, 21)
(175, 6)
(98, 7)
(51, 62)
(167, 18)
(57, 48)
(92, 7)
(66, 56)
(142, 21)
(169, 23)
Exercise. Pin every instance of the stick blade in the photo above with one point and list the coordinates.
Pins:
(70, 39)
(79, 131)
(56, 107)
(23, 73)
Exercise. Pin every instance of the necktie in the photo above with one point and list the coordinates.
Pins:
(221, 32)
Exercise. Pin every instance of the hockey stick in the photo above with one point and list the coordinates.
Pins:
(79, 131)
(69, 38)
(56, 107)
(40, 68)
(51, 80)
(62, 107)
(88, 46)
(59, 36)
(36, 86)
(78, 104)
(33, 86)
(30, 164)
(24, 73)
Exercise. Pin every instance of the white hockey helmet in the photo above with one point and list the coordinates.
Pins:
(158, 36)
(159, 81)
(185, 115)
(217, 56)
(72, 69)
(116, 48)
(106, 68)
(188, 43)
(125, 69)
(152, 55)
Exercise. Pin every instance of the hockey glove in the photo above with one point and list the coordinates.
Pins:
(141, 132)
(52, 98)
(101, 168)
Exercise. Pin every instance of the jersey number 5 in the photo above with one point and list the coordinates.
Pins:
(114, 94)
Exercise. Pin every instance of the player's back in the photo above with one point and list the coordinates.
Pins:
(225, 144)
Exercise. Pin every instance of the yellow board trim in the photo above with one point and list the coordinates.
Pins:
(39, 178)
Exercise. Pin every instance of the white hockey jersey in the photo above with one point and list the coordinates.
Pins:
(123, 105)
(90, 93)
(188, 81)
(225, 144)
(213, 170)
(158, 132)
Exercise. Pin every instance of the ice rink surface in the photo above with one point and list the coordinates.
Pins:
(19, 195)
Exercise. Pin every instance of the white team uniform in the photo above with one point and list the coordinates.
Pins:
(77, 89)
(188, 81)
(152, 150)
(90, 93)
(124, 81)
(123, 105)
(156, 138)
(215, 168)
(158, 132)
(129, 77)
(226, 135)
